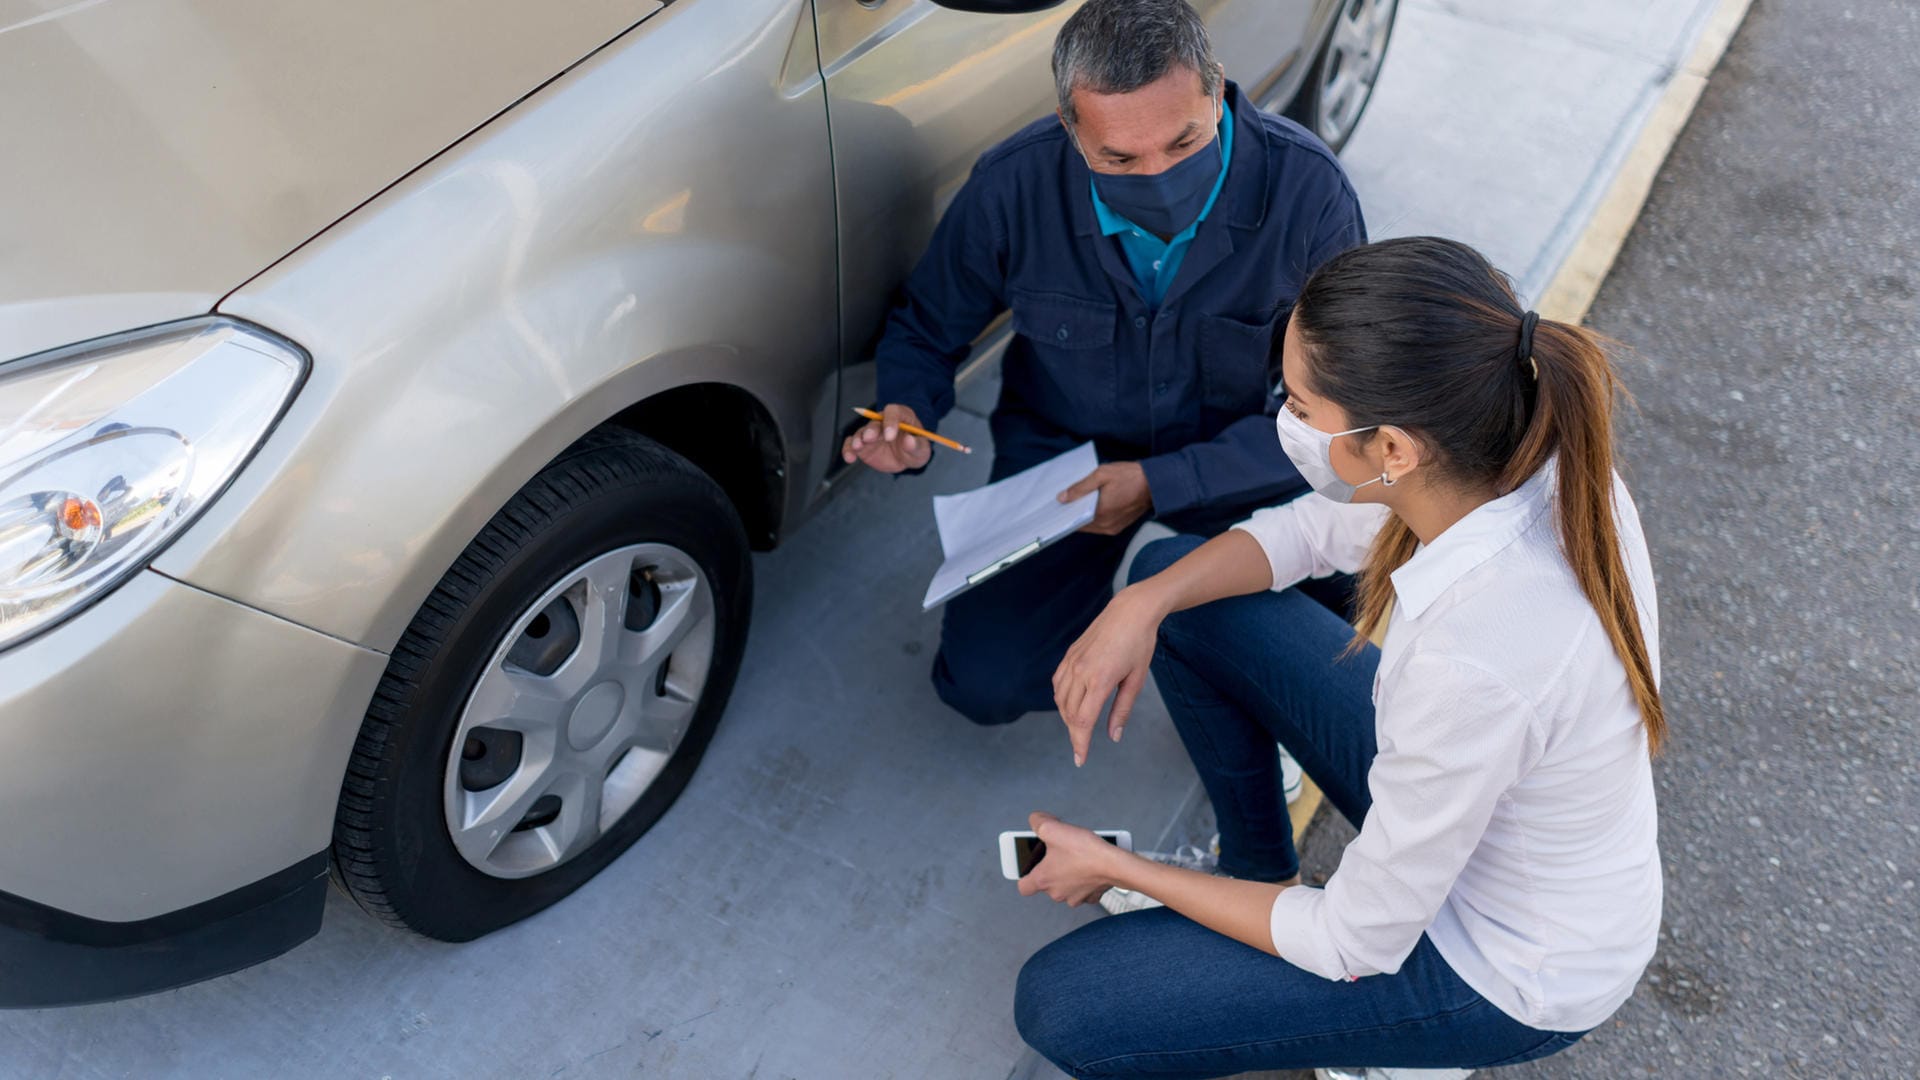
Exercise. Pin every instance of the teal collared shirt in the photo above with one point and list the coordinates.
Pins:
(1155, 261)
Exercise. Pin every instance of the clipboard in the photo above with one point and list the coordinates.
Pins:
(988, 529)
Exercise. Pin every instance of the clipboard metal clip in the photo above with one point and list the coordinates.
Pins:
(1000, 564)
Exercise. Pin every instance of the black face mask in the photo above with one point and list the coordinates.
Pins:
(1165, 202)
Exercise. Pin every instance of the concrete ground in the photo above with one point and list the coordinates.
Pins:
(825, 901)
(1501, 122)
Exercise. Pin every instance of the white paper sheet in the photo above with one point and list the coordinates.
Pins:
(988, 529)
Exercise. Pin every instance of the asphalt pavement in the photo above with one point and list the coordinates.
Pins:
(1768, 295)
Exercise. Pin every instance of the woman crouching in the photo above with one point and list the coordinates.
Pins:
(1503, 894)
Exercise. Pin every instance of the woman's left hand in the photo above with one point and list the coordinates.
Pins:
(1078, 865)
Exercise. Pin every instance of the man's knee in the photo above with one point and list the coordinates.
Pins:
(983, 695)
(1161, 554)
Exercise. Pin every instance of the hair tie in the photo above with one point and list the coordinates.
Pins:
(1525, 353)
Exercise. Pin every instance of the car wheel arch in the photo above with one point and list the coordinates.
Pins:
(727, 433)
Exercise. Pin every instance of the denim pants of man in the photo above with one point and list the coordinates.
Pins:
(1152, 994)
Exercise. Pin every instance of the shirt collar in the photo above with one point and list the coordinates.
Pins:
(1485, 532)
(1112, 222)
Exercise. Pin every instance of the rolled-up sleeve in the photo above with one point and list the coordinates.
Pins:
(1453, 740)
(1313, 536)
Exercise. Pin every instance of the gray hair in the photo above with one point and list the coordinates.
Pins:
(1119, 46)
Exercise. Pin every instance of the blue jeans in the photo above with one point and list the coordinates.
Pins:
(1153, 994)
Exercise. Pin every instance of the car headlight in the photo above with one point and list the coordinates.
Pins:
(108, 449)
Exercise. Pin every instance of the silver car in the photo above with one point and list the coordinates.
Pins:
(390, 398)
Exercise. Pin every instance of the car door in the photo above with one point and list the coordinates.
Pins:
(915, 92)
(1264, 43)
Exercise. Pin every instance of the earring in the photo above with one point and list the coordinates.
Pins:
(1387, 481)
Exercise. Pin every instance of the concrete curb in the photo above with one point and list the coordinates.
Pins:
(1571, 290)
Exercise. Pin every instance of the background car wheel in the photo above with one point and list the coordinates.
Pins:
(1341, 81)
(553, 695)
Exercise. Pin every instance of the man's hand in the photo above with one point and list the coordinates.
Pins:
(1078, 866)
(1124, 498)
(882, 445)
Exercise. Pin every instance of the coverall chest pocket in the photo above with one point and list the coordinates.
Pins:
(1072, 341)
(1233, 363)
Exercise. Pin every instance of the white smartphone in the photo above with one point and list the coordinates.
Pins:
(1020, 851)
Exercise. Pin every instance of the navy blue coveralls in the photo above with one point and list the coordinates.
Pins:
(1183, 387)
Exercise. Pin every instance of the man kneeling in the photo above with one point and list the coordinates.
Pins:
(1149, 241)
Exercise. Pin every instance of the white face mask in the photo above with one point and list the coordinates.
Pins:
(1311, 451)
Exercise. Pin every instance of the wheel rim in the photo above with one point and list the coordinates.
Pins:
(579, 709)
(1355, 54)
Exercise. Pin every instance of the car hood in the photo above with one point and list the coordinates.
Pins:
(158, 153)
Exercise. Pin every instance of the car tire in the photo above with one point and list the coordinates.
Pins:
(1340, 84)
(400, 846)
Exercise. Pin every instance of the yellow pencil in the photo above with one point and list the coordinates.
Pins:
(920, 431)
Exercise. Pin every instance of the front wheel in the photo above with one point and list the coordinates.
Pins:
(552, 697)
(1341, 81)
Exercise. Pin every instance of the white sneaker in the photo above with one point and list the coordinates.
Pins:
(1392, 1073)
(1120, 901)
(1290, 775)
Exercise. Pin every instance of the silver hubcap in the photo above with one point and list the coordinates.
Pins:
(579, 710)
(1354, 57)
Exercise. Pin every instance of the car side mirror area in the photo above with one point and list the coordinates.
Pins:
(1000, 7)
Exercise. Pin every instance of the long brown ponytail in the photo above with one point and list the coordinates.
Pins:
(1421, 334)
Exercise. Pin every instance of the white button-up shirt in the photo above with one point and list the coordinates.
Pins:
(1513, 812)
